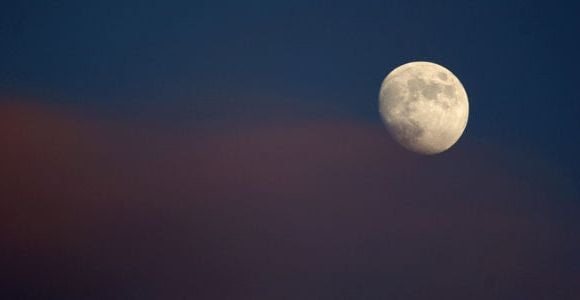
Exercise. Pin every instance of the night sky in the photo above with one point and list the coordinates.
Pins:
(234, 150)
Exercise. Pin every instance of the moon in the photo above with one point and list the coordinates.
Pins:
(424, 107)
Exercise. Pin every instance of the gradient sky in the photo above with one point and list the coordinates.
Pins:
(233, 150)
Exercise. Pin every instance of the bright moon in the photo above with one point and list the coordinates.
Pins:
(424, 107)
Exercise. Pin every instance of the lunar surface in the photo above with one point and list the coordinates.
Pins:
(424, 107)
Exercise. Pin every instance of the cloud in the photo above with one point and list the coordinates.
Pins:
(309, 209)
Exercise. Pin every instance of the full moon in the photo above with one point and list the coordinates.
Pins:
(424, 107)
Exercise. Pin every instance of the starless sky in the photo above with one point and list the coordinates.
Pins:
(234, 150)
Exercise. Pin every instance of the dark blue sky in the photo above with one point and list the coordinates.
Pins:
(190, 60)
(200, 67)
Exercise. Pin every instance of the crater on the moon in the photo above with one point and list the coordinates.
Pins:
(410, 132)
(428, 90)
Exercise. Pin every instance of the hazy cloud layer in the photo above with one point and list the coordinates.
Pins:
(293, 210)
